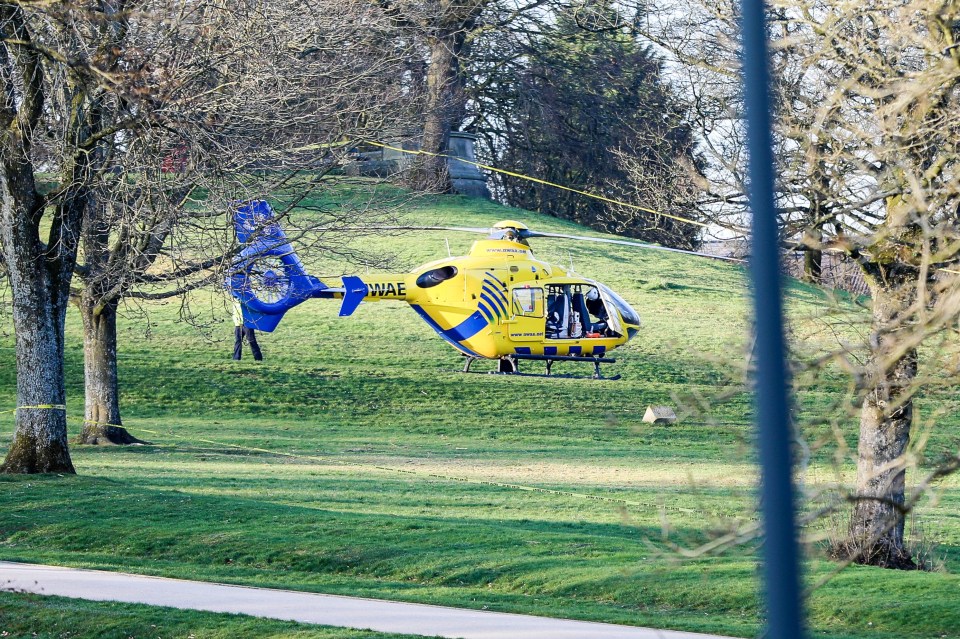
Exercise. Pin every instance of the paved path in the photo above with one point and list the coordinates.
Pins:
(330, 610)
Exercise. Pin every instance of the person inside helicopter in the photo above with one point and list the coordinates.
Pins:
(597, 310)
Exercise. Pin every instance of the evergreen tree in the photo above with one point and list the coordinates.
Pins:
(585, 106)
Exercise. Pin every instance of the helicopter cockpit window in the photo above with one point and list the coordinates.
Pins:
(528, 302)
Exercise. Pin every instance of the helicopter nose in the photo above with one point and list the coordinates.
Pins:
(632, 322)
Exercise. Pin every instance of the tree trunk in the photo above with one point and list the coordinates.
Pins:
(877, 525)
(813, 256)
(819, 216)
(40, 441)
(102, 424)
(429, 172)
(813, 266)
(39, 273)
(40, 297)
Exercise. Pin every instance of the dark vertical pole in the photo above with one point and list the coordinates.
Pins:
(780, 548)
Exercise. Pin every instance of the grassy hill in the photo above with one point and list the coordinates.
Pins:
(357, 460)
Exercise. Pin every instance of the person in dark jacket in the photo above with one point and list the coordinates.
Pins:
(241, 333)
(597, 309)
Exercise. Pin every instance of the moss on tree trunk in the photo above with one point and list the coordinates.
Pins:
(36, 450)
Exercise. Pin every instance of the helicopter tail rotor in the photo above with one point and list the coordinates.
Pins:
(267, 278)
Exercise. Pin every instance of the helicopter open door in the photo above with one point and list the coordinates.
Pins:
(580, 310)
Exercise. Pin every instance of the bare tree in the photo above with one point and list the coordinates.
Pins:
(894, 66)
(444, 29)
(238, 121)
(572, 96)
(154, 116)
(39, 260)
(453, 76)
(866, 128)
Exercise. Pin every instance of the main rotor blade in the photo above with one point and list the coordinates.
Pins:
(562, 236)
(462, 229)
(643, 245)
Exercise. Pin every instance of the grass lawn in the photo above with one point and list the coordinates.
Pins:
(357, 460)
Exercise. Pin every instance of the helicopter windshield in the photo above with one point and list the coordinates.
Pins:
(629, 315)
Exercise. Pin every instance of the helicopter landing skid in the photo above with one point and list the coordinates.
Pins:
(509, 365)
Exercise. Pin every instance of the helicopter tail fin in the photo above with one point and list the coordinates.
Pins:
(372, 288)
(354, 290)
(267, 278)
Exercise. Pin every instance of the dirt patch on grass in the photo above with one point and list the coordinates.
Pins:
(584, 474)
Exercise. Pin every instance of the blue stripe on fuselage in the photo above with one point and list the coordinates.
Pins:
(486, 312)
(468, 327)
(465, 330)
(495, 279)
(492, 305)
(500, 300)
(497, 291)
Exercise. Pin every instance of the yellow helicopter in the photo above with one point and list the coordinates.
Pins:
(498, 302)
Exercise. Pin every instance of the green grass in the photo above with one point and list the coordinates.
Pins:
(357, 460)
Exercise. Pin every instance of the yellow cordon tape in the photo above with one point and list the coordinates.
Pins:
(95, 423)
(38, 407)
(59, 407)
(521, 176)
